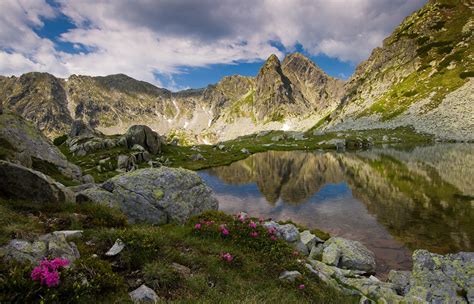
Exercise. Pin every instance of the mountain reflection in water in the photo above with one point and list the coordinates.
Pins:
(392, 199)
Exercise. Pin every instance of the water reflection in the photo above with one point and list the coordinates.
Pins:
(392, 199)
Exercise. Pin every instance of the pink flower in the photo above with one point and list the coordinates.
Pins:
(254, 234)
(197, 226)
(227, 257)
(225, 232)
(301, 286)
(261, 220)
(47, 272)
(273, 238)
(209, 223)
(271, 230)
(252, 225)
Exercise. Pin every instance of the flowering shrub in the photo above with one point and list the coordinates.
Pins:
(227, 257)
(48, 271)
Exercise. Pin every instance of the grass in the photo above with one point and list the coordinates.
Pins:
(148, 257)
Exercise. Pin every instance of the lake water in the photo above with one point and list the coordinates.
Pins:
(392, 199)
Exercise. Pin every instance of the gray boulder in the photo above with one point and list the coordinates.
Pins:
(18, 182)
(22, 143)
(55, 245)
(154, 195)
(290, 275)
(287, 232)
(401, 280)
(145, 137)
(144, 294)
(348, 254)
(442, 279)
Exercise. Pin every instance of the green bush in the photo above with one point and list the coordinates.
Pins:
(60, 140)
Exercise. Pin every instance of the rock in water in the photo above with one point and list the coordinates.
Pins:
(145, 137)
(144, 294)
(348, 254)
(18, 182)
(155, 195)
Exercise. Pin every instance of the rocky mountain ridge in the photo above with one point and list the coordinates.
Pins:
(113, 103)
(421, 77)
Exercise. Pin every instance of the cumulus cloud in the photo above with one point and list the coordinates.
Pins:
(145, 37)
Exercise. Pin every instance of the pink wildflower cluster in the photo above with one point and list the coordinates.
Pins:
(48, 271)
(227, 257)
(252, 225)
(197, 226)
(301, 286)
(254, 234)
(271, 231)
(223, 229)
(241, 217)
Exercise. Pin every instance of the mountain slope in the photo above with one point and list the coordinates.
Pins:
(235, 106)
(419, 77)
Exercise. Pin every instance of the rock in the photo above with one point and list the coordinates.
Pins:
(331, 255)
(442, 279)
(300, 247)
(18, 182)
(309, 239)
(196, 157)
(316, 252)
(48, 245)
(126, 162)
(245, 151)
(116, 248)
(137, 147)
(287, 232)
(23, 144)
(82, 187)
(69, 234)
(385, 138)
(221, 147)
(144, 294)
(88, 179)
(401, 281)
(155, 195)
(380, 291)
(348, 254)
(145, 137)
(181, 269)
(290, 275)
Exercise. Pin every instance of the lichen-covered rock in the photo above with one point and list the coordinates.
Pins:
(309, 239)
(401, 280)
(144, 294)
(118, 246)
(373, 289)
(145, 137)
(348, 254)
(154, 195)
(442, 279)
(18, 182)
(316, 252)
(49, 245)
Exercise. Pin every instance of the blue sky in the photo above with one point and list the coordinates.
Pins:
(190, 44)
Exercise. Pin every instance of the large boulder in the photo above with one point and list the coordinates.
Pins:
(145, 137)
(348, 254)
(18, 182)
(442, 279)
(154, 195)
(22, 143)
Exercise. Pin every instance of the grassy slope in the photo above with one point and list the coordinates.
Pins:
(251, 278)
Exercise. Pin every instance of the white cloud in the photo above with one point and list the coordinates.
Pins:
(140, 38)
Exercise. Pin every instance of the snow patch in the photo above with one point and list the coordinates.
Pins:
(285, 127)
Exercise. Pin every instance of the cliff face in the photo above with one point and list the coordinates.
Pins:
(235, 106)
(419, 77)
